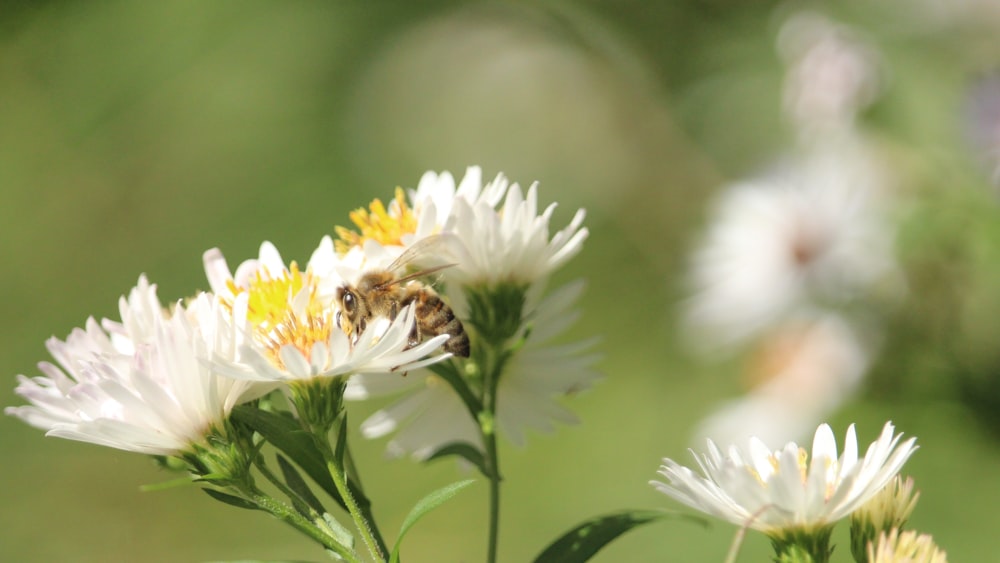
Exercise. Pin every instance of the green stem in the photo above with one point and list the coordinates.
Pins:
(292, 517)
(494, 469)
(487, 424)
(362, 523)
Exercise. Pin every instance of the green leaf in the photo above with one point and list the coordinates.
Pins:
(284, 433)
(231, 500)
(466, 451)
(583, 541)
(425, 505)
(180, 482)
(298, 485)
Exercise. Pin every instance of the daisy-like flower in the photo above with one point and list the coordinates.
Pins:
(798, 375)
(140, 384)
(788, 493)
(288, 320)
(812, 234)
(432, 415)
(886, 512)
(905, 547)
(494, 233)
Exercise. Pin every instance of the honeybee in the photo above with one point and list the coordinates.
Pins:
(383, 293)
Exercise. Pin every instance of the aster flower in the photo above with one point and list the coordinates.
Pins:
(787, 493)
(905, 547)
(884, 513)
(810, 235)
(494, 233)
(139, 384)
(432, 415)
(288, 321)
(798, 374)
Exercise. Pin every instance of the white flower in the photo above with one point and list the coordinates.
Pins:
(832, 72)
(139, 385)
(801, 373)
(811, 234)
(510, 244)
(905, 547)
(492, 233)
(432, 415)
(287, 323)
(785, 490)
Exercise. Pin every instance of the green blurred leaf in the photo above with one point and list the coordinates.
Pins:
(425, 505)
(583, 541)
(295, 482)
(231, 500)
(464, 450)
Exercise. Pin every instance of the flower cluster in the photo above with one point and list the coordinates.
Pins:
(441, 294)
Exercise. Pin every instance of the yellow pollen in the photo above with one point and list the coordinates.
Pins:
(385, 226)
(270, 298)
(300, 332)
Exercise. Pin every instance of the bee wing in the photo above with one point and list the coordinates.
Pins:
(429, 246)
(419, 274)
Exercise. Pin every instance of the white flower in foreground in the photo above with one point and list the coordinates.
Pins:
(140, 385)
(811, 235)
(510, 244)
(492, 233)
(787, 490)
(432, 415)
(287, 323)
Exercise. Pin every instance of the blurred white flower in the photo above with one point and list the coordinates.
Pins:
(982, 123)
(800, 374)
(832, 72)
(289, 323)
(787, 490)
(141, 384)
(810, 234)
(432, 415)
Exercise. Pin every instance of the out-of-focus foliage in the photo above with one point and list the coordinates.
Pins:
(136, 135)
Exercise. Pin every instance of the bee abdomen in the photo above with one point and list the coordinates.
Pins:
(435, 317)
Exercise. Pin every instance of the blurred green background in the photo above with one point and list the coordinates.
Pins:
(136, 135)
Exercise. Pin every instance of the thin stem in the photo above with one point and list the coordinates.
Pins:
(493, 466)
(292, 517)
(340, 481)
(366, 509)
(487, 424)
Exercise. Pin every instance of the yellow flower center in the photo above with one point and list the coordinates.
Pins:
(385, 226)
(276, 319)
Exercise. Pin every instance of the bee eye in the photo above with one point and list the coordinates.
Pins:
(350, 306)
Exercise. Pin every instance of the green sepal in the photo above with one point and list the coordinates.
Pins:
(298, 485)
(583, 541)
(340, 533)
(285, 433)
(423, 506)
(464, 450)
(231, 500)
